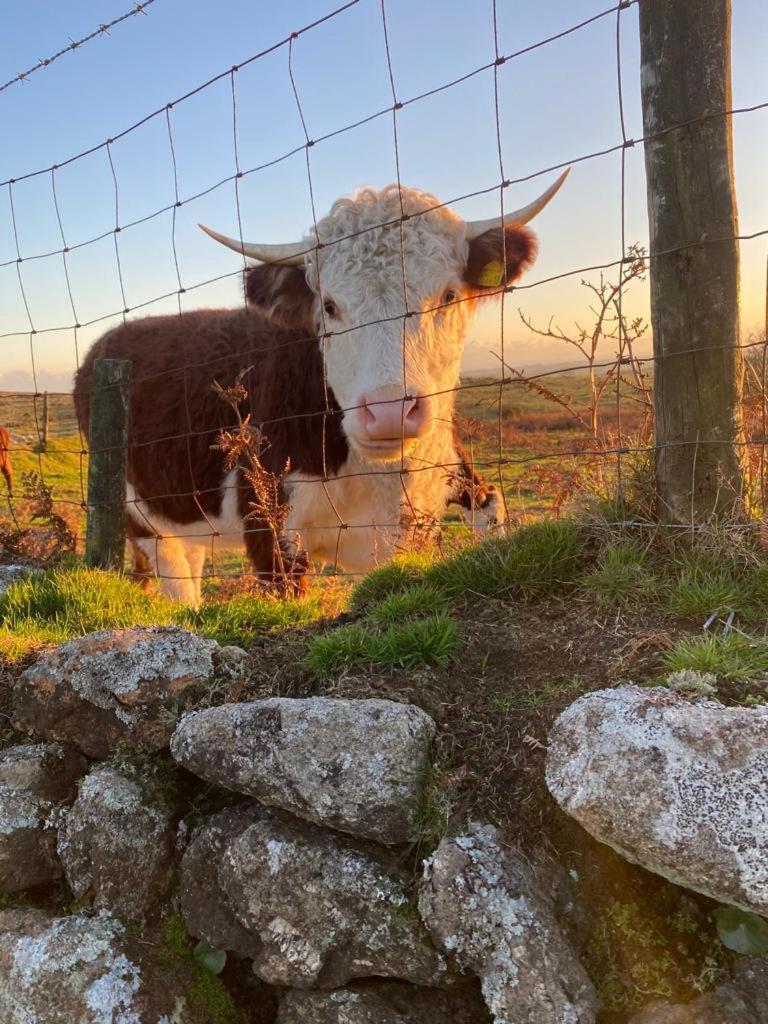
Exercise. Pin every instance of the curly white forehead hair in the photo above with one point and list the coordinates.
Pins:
(376, 229)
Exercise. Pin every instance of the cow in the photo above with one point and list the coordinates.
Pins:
(479, 503)
(5, 460)
(349, 352)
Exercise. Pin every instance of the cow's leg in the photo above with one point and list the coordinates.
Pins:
(196, 558)
(6, 471)
(142, 569)
(279, 564)
(168, 560)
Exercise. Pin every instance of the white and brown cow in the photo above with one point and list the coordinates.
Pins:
(352, 349)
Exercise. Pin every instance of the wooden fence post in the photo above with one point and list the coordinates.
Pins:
(44, 438)
(685, 75)
(107, 444)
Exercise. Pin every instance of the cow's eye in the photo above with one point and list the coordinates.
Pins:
(450, 296)
(330, 308)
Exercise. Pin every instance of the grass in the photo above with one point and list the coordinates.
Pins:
(403, 604)
(67, 602)
(243, 619)
(420, 599)
(432, 640)
(622, 575)
(530, 563)
(58, 605)
(732, 658)
(394, 578)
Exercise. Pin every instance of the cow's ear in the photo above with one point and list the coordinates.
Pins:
(282, 293)
(498, 257)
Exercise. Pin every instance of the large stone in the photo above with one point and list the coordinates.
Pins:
(481, 903)
(202, 901)
(85, 970)
(116, 844)
(325, 909)
(383, 1002)
(677, 787)
(354, 765)
(34, 779)
(116, 687)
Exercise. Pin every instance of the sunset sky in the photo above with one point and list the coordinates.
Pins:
(557, 103)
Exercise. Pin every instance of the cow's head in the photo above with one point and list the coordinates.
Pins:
(389, 292)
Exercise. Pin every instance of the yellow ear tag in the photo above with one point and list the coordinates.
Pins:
(492, 275)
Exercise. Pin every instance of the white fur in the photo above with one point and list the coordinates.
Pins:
(377, 276)
(178, 551)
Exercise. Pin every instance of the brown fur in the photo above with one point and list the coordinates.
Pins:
(175, 415)
(514, 248)
(5, 460)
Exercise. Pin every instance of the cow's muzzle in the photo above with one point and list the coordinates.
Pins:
(387, 422)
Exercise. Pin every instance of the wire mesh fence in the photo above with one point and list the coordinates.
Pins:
(505, 446)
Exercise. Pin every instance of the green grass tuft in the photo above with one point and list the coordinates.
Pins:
(352, 646)
(532, 562)
(733, 657)
(433, 640)
(622, 575)
(430, 641)
(419, 599)
(243, 619)
(71, 601)
(704, 583)
(64, 603)
(392, 578)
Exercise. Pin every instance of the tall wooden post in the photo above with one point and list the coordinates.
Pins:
(685, 75)
(107, 443)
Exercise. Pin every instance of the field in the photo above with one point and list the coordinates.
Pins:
(519, 438)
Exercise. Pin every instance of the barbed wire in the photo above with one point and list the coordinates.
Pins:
(74, 44)
(611, 449)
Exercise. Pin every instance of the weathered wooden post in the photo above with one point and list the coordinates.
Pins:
(685, 77)
(107, 444)
(44, 435)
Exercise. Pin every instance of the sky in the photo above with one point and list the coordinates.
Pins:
(556, 103)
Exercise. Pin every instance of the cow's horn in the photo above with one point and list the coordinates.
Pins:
(292, 253)
(521, 216)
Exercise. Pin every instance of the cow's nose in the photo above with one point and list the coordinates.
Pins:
(388, 415)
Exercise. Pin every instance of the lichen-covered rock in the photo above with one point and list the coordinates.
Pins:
(677, 787)
(481, 903)
(201, 899)
(355, 765)
(34, 779)
(325, 909)
(10, 574)
(116, 844)
(84, 970)
(115, 687)
(384, 1002)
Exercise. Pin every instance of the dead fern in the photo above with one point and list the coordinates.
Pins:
(243, 447)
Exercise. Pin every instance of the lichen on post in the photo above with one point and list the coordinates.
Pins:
(686, 93)
(108, 448)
